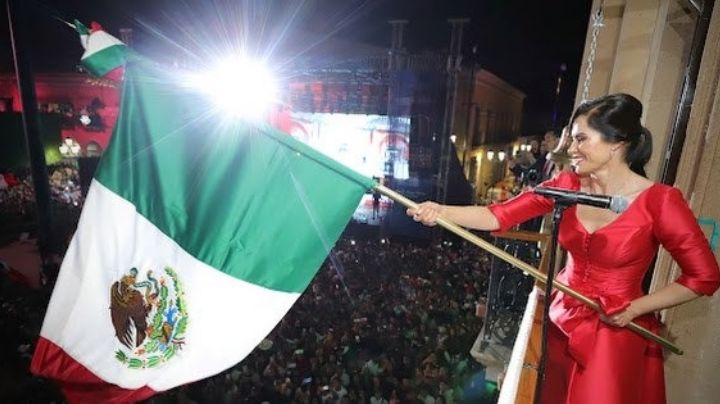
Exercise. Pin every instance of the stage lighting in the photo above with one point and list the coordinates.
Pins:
(85, 119)
(239, 86)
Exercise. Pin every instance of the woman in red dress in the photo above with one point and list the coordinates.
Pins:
(592, 358)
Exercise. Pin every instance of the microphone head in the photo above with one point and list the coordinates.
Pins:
(618, 204)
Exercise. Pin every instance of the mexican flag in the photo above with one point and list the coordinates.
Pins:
(104, 54)
(197, 236)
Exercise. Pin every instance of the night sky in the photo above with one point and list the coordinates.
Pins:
(523, 42)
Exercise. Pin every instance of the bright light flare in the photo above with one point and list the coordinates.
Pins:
(239, 86)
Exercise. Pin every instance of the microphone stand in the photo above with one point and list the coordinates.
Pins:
(558, 210)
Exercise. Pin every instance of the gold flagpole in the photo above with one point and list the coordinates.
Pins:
(526, 267)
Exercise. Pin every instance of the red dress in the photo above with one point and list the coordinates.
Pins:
(588, 361)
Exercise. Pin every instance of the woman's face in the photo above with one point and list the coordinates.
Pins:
(589, 152)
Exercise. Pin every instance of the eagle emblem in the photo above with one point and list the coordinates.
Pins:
(149, 317)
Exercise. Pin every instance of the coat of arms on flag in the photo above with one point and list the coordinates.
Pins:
(149, 317)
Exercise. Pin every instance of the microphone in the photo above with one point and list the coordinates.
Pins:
(617, 204)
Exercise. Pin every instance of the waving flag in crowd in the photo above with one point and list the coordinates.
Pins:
(195, 239)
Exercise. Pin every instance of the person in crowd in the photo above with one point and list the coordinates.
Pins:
(376, 196)
(592, 357)
(535, 148)
(520, 164)
(544, 166)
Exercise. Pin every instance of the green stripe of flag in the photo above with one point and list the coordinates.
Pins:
(248, 200)
(81, 28)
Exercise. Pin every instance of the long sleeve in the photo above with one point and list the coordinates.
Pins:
(528, 205)
(677, 230)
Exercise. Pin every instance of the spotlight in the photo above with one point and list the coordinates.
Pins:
(240, 86)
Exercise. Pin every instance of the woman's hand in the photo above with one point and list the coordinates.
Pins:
(427, 213)
(623, 318)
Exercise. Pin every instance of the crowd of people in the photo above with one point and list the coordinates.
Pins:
(17, 196)
(22, 309)
(382, 322)
(525, 168)
(530, 167)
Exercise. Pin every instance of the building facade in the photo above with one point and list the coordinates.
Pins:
(487, 125)
(88, 108)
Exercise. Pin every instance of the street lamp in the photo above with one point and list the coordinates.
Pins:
(70, 148)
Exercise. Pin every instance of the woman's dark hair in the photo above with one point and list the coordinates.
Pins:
(617, 118)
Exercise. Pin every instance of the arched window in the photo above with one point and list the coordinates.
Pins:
(93, 149)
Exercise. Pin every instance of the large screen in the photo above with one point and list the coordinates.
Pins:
(373, 145)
